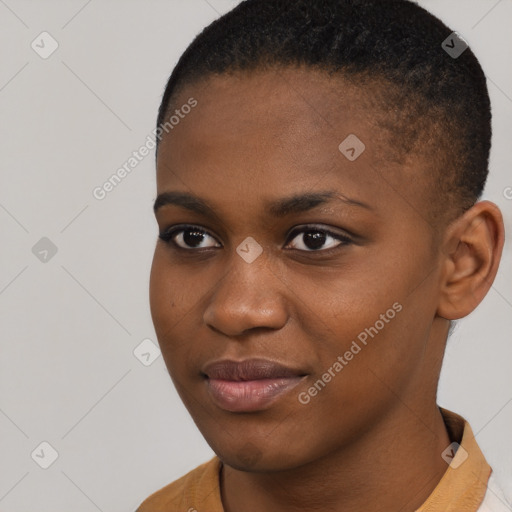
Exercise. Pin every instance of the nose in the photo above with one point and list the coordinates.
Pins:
(249, 296)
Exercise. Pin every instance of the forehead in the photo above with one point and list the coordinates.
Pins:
(296, 100)
(281, 129)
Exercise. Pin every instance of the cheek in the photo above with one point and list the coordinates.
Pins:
(383, 354)
(363, 367)
(365, 332)
(172, 292)
(176, 301)
(171, 297)
(161, 292)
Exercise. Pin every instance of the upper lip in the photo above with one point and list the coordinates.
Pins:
(249, 369)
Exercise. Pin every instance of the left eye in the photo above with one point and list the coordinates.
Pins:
(313, 239)
(188, 237)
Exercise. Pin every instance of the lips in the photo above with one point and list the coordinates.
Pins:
(250, 385)
(251, 369)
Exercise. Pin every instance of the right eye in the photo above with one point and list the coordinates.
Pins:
(188, 237)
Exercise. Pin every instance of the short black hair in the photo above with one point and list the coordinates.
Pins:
(431, 97)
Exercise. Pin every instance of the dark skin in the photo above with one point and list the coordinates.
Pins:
(372, 438)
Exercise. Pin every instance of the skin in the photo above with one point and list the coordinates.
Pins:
(372, 438)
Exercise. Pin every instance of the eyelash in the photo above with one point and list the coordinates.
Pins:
(168, 235)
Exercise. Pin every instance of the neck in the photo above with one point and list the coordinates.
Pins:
(379, 472)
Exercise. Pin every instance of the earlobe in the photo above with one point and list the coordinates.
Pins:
(472, 252)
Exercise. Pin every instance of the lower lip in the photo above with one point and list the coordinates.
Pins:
(251, 395)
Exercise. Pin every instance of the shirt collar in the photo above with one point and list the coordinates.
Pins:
(464, 483)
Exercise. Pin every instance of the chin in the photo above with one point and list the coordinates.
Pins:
(254, 459)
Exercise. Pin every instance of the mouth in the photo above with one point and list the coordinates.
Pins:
(250, 385)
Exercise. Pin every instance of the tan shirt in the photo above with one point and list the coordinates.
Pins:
(461, 489)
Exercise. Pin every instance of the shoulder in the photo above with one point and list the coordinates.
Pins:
(197, 488)
(495, 499)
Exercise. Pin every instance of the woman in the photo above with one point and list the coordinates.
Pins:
(318, 235)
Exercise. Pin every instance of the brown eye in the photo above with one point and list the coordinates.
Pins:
(316, 239)
(189, 237)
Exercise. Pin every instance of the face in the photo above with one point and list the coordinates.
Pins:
(294, 287)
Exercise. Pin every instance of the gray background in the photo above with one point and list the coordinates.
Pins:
(70, 324)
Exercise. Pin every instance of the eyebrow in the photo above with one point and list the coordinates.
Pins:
(278, 208)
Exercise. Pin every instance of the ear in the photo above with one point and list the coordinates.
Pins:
(472, 250)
